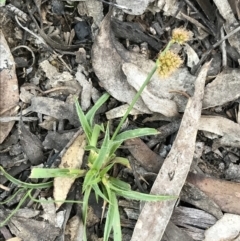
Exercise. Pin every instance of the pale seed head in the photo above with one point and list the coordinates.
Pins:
(167, 63)
(181, 35)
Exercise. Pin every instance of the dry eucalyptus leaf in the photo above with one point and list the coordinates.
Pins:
(224, 127)
(72, 158)
(225, 88)
(227, 228)
(60, 218)
(74, 228)
(49, 211)
(55, 108)
(192, 57)
(9, 95)
(155, 216)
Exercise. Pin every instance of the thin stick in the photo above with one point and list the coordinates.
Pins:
(4, 188)
(223, 48)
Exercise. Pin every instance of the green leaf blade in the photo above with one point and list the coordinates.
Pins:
(85, 210)
(100, 193)
(104, 151)
(119, 184)
(92, 177)
(110, 216)
(97, 105)
(56, 172)
(138, 195)
(121, 160)
(83, 120)
(24, 184)
(135, 133)
(117, 232)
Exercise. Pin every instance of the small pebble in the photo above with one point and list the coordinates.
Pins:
(57, 7)
(82, 30)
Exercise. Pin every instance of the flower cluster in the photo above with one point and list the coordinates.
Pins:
(181, 35)
(167, 63)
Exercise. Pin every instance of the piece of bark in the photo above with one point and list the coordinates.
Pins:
(224, 193)
(191, 194)
(185, 216)
(30, 229)
(155, 216)
(31, 145)
(207, 8)
(173, 233)
(191, 221)
(144, 155)
(165, 131)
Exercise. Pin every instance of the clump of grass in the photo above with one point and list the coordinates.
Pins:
(101, 159)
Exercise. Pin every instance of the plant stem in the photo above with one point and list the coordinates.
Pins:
(16, 209)
(134, 101)
(167, 47)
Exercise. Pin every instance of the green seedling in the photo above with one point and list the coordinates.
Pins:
(97, 177)
(28, 188)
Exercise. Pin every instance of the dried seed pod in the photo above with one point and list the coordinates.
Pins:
(181, 35)
(168, 62)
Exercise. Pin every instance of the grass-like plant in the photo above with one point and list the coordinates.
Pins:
(100, 162)
(101, 159)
